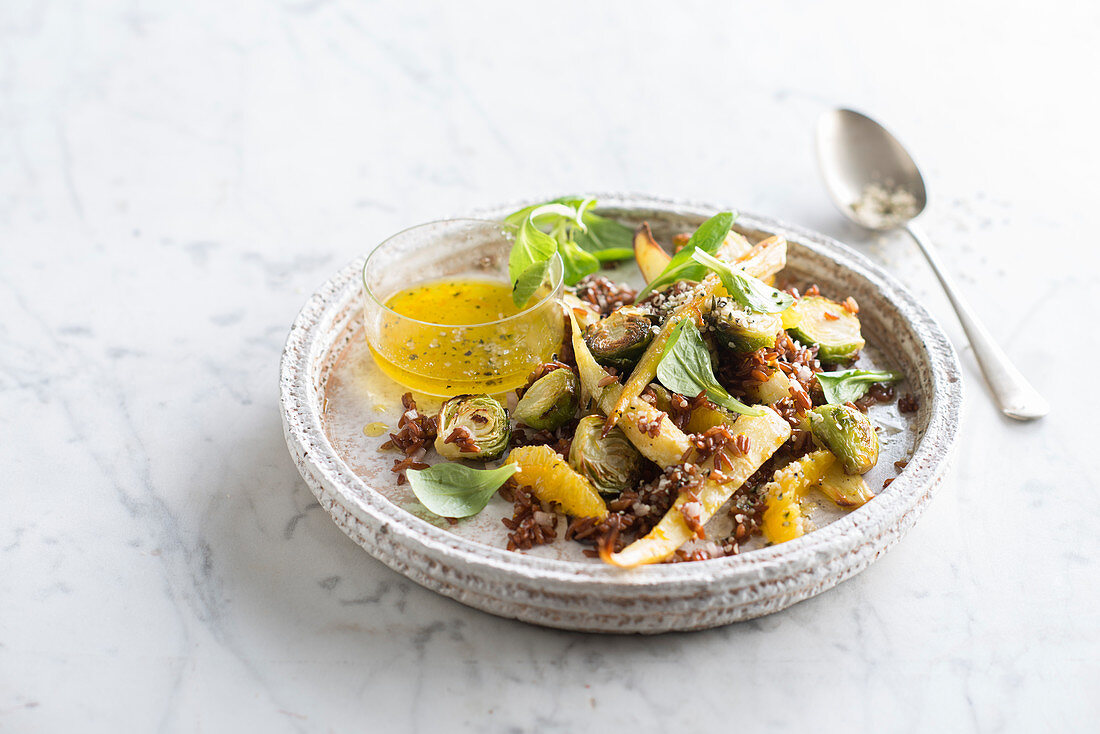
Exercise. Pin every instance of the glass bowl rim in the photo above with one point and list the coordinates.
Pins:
(556, 271)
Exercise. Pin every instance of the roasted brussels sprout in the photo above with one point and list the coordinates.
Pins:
(742, 330)
(550, 401)
(472, 427)
(621, 337)
(848, 434)
(610, 462)
(833, 328)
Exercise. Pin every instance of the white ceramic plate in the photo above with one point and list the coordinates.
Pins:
(330, 390)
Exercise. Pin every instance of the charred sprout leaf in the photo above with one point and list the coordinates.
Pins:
(740, 329)
(848, 434)
(550, 401)
(685, 368)
(621, 337)
(752, 293)
(834, 329)
(847, 490)
(455, 490)
(610, 462)
(848, 386)
(472, 427)
(708, 238)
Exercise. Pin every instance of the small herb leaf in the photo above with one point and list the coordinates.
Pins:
(685, 368)
(605, 238)
(517, 217)
(532, 245)
(578, 263)
(848, 386)
(456, 490)
(752, 293)
(708, 238)
(528, 282)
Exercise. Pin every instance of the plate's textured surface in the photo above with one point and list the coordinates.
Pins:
(589, 596)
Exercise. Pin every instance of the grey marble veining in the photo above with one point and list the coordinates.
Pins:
(175, 179)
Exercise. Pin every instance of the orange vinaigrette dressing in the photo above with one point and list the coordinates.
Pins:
(437, 355)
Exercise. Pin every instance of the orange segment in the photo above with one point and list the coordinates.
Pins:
(552, 480)
(784, 519)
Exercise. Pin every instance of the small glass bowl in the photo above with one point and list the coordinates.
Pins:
(442, 359)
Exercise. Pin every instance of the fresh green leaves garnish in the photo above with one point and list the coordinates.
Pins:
(685, 368)
(578, 263)
(605, 238)
(456, 490)
(848, 386)
(752, 293)
(708, 238)
(528, 260)
(568, 227)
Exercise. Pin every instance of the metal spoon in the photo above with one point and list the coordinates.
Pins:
(854, 152)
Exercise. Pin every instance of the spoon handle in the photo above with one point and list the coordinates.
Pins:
(1013, 393)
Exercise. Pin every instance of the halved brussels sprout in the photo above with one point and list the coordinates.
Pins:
(610, 462)
(833, 328)
(472, 427)
(740, 329)
(621, 337)
(848, 434)
(550, 401)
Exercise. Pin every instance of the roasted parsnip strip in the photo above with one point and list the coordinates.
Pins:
(766, 433)
(665, 448)
(646, 368)
(584, 312)
(652, 259)
(766, 258)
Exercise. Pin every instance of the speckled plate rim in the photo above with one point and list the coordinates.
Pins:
(566, 593)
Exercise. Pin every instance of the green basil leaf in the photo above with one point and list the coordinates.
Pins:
(605, 238)
(685, 368)
(528, 282)
(752, 293)
(613, 254)
(712, 233)
(562, 215)
(578, 263)
(708, 238)
(848, 386)
(516, 218)
(532, 245)
(456, 490)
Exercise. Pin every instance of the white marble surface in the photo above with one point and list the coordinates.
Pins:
(176, 178)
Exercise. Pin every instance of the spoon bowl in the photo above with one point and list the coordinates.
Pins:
(855, 152)
(862, 162)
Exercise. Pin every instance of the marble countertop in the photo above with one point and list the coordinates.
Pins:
(176, 178)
